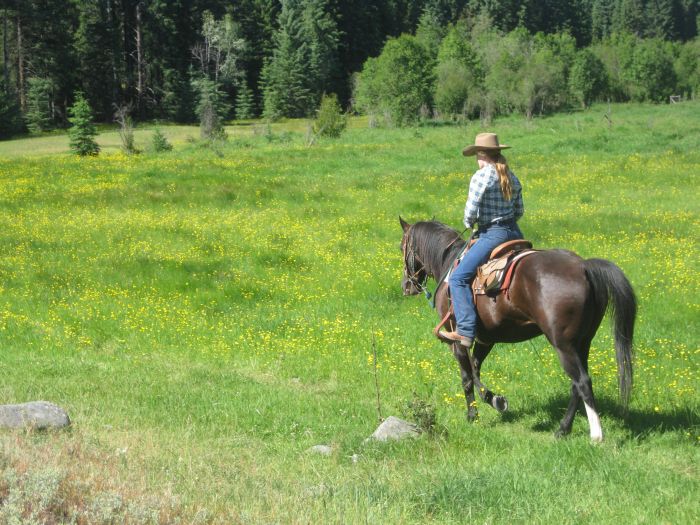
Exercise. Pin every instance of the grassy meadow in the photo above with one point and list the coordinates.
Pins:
(206, 316)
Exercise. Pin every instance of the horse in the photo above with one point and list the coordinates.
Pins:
(552, 292)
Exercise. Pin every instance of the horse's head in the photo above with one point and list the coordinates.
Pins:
(414, 273)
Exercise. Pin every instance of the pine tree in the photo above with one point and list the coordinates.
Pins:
(94, 43)
(10, 115)
(39, 115)
(83, 131)
(211, 109)
(160, 142)
(245, 105)
(304, 62)
(284, 76)
(330, 120)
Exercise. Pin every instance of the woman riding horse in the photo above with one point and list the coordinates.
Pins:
(495, 203)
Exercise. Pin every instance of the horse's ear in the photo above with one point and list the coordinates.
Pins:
(404, 224)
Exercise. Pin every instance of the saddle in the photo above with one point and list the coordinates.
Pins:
(494, 276)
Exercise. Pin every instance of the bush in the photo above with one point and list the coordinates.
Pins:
(330, 120)
(160, 142)
(83, 131)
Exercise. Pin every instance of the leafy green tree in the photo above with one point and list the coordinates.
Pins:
(687, 67)
(651, 74)
(616, 53)
(82, 133)
(459, 75)
(366, 89)
(219, 54)
(399, 82)
(39, 115)
(526, 75)
(587, 79)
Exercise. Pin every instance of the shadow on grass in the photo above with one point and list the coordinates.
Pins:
(639, 423)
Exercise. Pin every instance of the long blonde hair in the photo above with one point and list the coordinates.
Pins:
(501, 164)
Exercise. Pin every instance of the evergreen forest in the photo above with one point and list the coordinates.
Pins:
(397, 61)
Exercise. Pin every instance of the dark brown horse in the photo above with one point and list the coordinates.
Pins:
(553, 292)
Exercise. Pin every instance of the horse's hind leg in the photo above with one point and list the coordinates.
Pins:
(575, 364)
(465, 371)
(568, 420)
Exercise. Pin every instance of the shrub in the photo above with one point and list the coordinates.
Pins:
(330, 120)
(126, 129)
(83, 131)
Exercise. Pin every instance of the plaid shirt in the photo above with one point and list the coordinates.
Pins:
(486, 202)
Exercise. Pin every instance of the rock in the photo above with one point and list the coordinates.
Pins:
(393, 428)
(37, 415)
(324, 450)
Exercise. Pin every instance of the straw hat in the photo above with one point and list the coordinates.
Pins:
(484, 142)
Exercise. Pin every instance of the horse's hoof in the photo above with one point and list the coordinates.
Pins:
(472, 415)
(500, 403)
(562, 433)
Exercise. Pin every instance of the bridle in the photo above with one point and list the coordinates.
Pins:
(410, 258)
(409, 263)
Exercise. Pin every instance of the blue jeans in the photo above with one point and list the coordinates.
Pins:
(462, 277)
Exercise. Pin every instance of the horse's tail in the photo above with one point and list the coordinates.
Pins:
(609, 282)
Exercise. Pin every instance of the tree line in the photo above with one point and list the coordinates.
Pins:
(179, 60)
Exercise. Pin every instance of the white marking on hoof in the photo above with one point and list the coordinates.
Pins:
(594, 423)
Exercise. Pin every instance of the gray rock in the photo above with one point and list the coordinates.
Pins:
(393, 428)
(37, 415)
(324, 450)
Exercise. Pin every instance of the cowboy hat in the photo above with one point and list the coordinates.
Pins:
(483, 142)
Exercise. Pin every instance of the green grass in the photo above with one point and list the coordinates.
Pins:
(207, 316)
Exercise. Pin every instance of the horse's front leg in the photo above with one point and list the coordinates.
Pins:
(465, 370)
(481, 350)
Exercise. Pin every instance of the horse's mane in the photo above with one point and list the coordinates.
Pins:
(435, 242)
